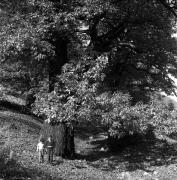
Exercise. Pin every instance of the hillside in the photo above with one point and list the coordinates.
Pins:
(18, 132)
(171, 98)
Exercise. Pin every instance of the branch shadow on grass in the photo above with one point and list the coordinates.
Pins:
(145, 154)
(11, 169)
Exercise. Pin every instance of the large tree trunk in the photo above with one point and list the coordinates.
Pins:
(63, 136)
(55, 64)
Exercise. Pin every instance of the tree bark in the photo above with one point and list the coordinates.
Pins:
(63, 136)
(30, 99)
(55, 64)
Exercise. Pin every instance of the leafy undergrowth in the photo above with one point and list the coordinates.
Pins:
(154, 159)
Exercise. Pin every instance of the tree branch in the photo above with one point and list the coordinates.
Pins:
(93, 25)
(170, 9)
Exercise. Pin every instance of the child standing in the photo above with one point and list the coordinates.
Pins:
(40, 150)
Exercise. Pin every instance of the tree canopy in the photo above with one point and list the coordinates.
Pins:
(136, 34)
(90, 59)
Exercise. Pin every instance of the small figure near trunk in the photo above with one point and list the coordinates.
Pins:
(50, 148)
(40, 150)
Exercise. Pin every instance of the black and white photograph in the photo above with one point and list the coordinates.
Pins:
(88, 89)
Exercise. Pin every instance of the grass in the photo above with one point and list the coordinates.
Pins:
(155, 159)
(19, 139)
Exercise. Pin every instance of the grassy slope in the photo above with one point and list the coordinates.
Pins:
(146, 161)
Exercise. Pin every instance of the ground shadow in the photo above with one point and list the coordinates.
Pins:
(11, 169)
(143, 155)
(86, 130)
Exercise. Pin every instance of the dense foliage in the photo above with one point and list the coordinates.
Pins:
(93, 60)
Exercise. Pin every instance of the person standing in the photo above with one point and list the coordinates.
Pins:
(50, 148)
(40, 150)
